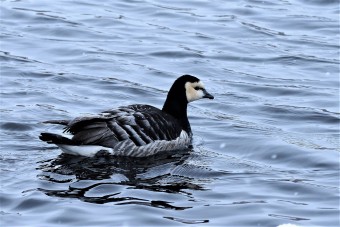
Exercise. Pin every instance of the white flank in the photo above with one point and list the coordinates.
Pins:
(288, 225)
(128, 148)
(83, 150)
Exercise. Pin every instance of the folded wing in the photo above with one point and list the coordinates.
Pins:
(142, 124)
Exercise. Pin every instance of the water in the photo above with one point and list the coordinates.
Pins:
(266, 149)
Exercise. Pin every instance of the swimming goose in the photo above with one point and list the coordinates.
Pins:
(135, 130)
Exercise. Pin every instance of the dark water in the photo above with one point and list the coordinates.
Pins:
(266, 150)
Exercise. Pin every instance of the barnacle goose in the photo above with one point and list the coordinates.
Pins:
(134, 130)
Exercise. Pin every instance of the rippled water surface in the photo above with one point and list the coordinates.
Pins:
(266, 149)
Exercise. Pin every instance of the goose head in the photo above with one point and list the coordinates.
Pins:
(185, 89)
(188, 88)
(195, 90)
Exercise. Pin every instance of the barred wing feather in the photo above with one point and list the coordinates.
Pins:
(142, 124)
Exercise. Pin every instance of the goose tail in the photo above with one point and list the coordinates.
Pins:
(55, 138)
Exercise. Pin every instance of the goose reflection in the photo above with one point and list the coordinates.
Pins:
(105, 178)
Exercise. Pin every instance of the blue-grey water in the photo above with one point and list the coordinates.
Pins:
(266, 149)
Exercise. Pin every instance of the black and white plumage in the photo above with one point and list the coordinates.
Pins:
(134, 130)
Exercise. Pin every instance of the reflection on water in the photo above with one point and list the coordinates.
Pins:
(134, 173)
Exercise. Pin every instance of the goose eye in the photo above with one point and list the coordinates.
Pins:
(197, 88)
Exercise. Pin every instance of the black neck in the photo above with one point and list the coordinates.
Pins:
(176, 105)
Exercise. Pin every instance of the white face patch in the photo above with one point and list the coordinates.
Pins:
(192, 93)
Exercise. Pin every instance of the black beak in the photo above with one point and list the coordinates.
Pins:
(207, 95)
